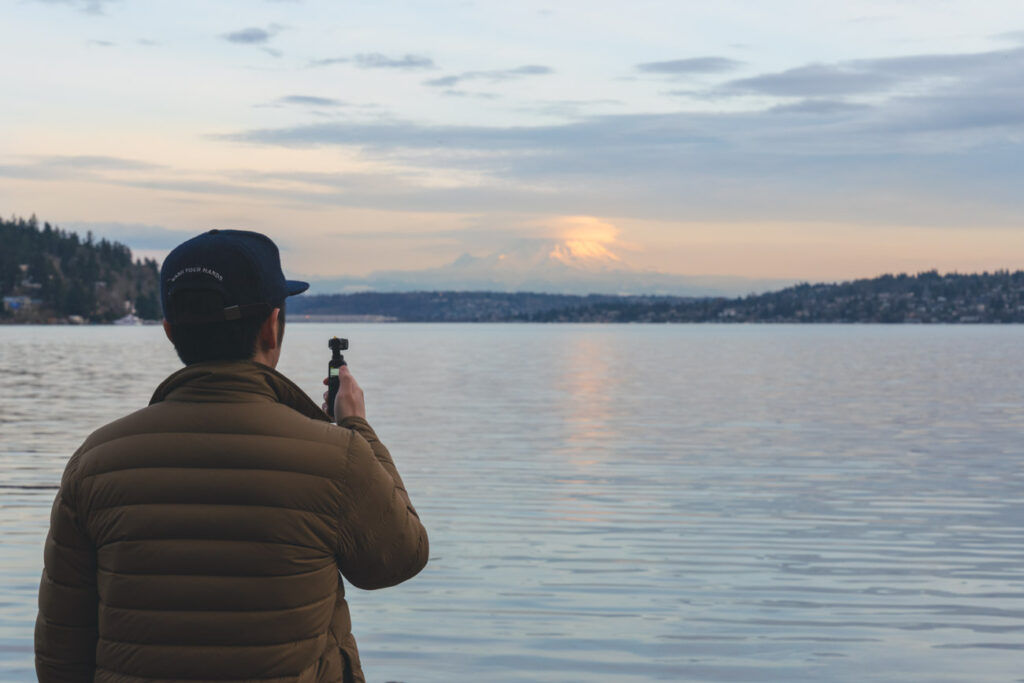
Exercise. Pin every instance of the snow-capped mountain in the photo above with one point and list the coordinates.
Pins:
(533, 257)
(570, 266)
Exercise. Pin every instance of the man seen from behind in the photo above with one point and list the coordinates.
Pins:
(205, 536)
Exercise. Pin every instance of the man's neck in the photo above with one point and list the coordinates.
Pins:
(269, 358)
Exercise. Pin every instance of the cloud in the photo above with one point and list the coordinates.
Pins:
(877, 76)
(568, 108)
(94, 7)
(1014, 36)
(309, 101)
(328, 62)
(258, 37)
(103, 162)
(96, 163)
(134, 235)
(942, 65)
(74, 167)
(495, 76)
(248, 36)
(816, 80)
(101, 43)
(528, 70)
(375, 60)
(255, 36)
(690, 66)
(443, 82)
(819, 107)
(465, 93)
(394, 135)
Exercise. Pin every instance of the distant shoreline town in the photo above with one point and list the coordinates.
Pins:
(915, 299)
(48, 275)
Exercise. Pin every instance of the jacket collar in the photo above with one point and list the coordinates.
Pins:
(219, 381)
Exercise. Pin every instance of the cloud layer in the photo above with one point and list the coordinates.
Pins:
(860, 138)
(930, 139)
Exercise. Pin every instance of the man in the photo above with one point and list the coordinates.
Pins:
(204, 537)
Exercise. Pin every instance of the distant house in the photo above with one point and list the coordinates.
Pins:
(26, 279)
(18, 303)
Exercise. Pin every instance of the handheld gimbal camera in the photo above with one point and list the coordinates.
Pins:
(337, 360)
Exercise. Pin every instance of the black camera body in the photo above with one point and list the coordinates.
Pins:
(337, 345)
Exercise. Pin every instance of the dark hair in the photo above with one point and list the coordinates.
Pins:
(228, 340)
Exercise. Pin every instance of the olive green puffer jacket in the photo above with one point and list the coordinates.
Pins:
(201, 538)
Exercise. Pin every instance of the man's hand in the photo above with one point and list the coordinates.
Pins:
(349, 401)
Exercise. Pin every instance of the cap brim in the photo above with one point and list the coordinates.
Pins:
(295, 287)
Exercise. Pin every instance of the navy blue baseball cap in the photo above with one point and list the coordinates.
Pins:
(243, 267)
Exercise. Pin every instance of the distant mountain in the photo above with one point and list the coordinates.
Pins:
(570, 266)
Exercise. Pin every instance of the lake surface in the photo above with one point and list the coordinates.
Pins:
(629, 503)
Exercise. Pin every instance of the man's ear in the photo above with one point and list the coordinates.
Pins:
(268, 331)
(167, 331)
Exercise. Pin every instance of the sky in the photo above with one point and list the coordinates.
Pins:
(790, 139)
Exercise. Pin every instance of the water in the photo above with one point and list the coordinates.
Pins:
(630, 503)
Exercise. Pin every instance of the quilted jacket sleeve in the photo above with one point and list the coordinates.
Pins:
(382, 542)
(66, 627)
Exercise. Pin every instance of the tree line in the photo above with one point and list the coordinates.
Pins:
(926, 297)
(50, 274)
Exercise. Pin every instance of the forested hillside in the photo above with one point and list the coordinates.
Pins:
(50, 275)
(448, 306)
(923, 298)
